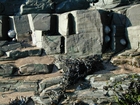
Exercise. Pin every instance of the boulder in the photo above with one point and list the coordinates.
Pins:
(30, 69)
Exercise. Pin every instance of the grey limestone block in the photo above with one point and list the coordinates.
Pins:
(88, 21)
(84, 44)
(22, 27)
(80, 21)
(133, 15)
(39, 21)
(133, 37)
(51, 44)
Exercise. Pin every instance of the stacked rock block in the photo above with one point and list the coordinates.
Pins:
(133, 33)
(74, 33)
(21, 27)
(83, 32)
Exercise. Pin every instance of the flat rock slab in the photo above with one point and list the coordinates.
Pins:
(7, 70)
(31, 69)
(15, 54)
(51, 44)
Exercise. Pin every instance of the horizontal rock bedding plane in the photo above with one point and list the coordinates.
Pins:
(69, 52)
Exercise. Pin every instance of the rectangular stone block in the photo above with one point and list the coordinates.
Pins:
(133, 15)
(83, 44)
(51, 44)
(22, 27)
(80, 21)
(133, 34)
(39, 21)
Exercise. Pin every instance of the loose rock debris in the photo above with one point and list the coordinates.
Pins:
(74, 70)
